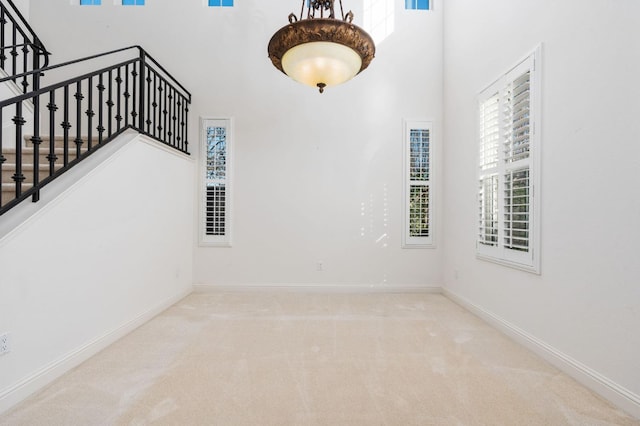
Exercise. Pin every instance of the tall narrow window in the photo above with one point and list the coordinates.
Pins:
(216, 196)
(418, 230)
(508, 168)
(133, 2)
(90, 2)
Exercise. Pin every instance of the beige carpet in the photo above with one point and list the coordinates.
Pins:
(315, 359)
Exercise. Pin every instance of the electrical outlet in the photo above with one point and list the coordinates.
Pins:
(5, 343)
(319, 266)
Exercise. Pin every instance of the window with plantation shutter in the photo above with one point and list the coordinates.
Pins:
(417, 193)
(508, 169)
(216, 195)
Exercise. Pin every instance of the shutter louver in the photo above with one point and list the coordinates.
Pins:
(516, 210)
(419, 211)
(419, 155)
(216, 210)
(489, 133)
(516, 119)
(488, 200)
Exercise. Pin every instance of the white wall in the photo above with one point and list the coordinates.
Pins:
(586, 302)
(23, 7)
(110, 252)
(316, 176)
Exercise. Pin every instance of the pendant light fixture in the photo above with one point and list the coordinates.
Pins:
(321, 50)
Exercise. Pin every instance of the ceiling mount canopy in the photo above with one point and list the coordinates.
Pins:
(321, 50)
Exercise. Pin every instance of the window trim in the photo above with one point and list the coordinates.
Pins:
(531, 260)
(408, 241)
(216, 240)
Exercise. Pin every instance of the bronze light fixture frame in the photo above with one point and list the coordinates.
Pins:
(316, 27)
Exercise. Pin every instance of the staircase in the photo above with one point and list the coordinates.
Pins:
(47, 130)
(46, 169)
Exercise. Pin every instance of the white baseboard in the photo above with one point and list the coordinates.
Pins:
(16, 393)
(603, 386)
(318, 288)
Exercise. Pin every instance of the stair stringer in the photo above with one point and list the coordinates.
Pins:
(12, 220)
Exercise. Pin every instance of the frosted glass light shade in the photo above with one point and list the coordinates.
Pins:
(321, 62)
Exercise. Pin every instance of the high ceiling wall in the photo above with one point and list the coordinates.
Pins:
(317, 177)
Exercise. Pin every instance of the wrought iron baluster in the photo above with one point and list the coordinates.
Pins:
(100, 127)
(134, 101)
(118, 99)
(182, 122)
(18, 121)
(36, 141)
(160, 99)
(171, 122)
(3, 24)
(143, 71)
(110, 105)
(126, 95)
(14, 52)
(51, 106)
(155, 103)
(186, 126)
(148, 92)
(65, 126)
(25, 66)
(179, 121)
(165, 113)
(174, 119)
(79, 97)
(90, 113)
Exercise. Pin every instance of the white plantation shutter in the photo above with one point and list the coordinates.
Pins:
(517, 205)
(489, 133)
(507, 174)
(417, 192)
(488, 197)
(216, 203)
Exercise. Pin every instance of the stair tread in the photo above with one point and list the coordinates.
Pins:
(10, 186)
(12, 150)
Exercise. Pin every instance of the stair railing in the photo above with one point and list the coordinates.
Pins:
(71, 119)
(20, 48)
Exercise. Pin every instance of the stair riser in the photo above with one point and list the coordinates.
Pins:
(59, 142)
(27, 157)
(7, 174)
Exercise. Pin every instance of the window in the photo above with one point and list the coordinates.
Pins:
(508, 168)
(417, 4)
(216, 195)
(90, 2)
(418, 193)
(223, 3)
(133, 2)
